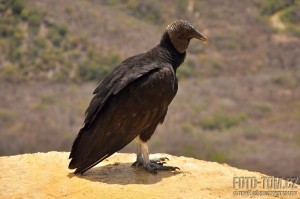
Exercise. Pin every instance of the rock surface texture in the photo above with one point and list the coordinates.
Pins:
(45, 175)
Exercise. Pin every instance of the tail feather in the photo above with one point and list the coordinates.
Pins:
(72, 164)
(83, 155)
(94, 144)
(87, 166)
(74, 152)
(75, 143)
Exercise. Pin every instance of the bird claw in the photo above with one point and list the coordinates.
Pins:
(160, 161)
(154, 167)
(137, 164)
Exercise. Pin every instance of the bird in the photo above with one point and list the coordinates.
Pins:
(131, 101)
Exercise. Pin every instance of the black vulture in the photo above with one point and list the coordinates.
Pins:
(131, 101)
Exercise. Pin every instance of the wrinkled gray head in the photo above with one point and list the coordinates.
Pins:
(181, 32)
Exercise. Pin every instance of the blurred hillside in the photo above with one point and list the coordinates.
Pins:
(239, 95)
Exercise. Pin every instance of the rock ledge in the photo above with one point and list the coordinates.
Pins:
(45, 175)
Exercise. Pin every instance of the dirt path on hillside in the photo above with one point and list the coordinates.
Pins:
(276, 21)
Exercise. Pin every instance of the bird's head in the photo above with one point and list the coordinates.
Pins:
(181, 32)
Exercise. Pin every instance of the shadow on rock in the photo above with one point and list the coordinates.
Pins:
(123, 173)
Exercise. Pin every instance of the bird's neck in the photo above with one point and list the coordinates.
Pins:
(173, 56)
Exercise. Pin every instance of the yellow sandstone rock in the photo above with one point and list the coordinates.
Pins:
(45, 175)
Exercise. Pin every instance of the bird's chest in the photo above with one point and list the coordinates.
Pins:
(147, 100)
(157, 89)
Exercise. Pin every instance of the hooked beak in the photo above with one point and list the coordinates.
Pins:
(201, 37)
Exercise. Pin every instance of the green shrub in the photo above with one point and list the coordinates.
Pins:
(296, 111)
(47, 98)
(263, 107)
(147, 11)
(296, 32)
(44, 102)
(25, 14)
(62, 30)
(283, 80)
(69, 9)
(181, 7)
(55, 37)
(297, 138)
(222, 121)
(10, 72)
(17, 7)
(272, 6)
(230, 44)
(113, 2)
(17, 37)
(9, 20)
(4, 5)
(251, 133)
(57, 34)
(40, 42)
(216, 65)
(189, 151)
(187, 127)
(34, 20)
(209, 123)
(92, 71)
(6, 30)
(112, 59)
(218, 157)
(61, 76)
(132, 4)
(57, 52)
(16, 55)
(291, 15)
(184, 71)
(94, 66)
(6, 116)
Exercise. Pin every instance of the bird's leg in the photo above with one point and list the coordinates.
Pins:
(139, 157)
(151, 165)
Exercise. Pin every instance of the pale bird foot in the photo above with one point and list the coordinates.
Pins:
(160, 161)
(140, 161)
(154, 167)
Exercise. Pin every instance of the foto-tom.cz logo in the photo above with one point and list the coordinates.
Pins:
(265, 182)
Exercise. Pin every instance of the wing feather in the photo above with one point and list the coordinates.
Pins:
(113, 84)
(109, 126)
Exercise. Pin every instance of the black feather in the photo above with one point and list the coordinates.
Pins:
(132, 100)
